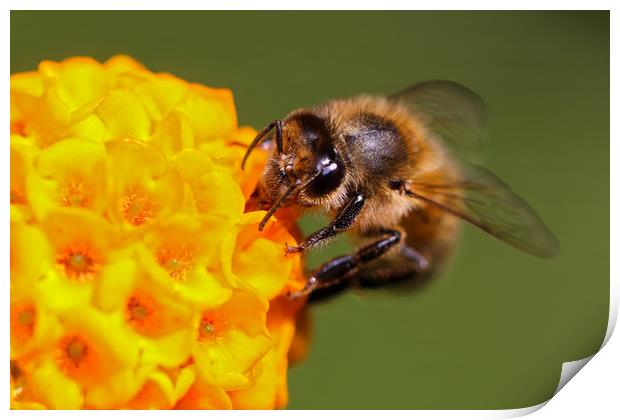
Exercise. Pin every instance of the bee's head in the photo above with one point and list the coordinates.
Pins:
(305, 166)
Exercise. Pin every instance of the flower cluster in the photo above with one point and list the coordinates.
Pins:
(137, 279)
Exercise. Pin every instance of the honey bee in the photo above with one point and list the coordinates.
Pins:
(400, 173)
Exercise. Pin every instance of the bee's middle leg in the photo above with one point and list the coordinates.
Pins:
(342, 268)
(341, 223)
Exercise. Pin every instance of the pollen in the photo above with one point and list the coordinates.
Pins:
(201, 199)
(137, 205)
(74, 194)
(176, 261)
(212, 325)
(73, 354)
(79, 263)
(23, 318)
(139, 313)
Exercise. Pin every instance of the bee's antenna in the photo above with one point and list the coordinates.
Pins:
(277, 205)
(298, 185)
(278, 125)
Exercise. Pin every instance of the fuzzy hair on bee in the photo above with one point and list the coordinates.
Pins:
(398, 173)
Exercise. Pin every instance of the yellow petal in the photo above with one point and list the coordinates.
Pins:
(30, 259)
(173, 134)
(204, 396)
(213, 192)
(211, 112)
(53, 389)
(118, 279)
(29, 82)
(181, 268)
(123, 63)
(25, 87)
(123, 116)
(46, 117)
(77, 80)
(89, 128)
(33, 327)
(270, 388)
(72, 226)
(259, 261)
(161, 94)
(157, 393)
(261, 265)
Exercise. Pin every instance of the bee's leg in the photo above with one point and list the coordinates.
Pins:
(407, 267)
(334, 272)
(343, 221)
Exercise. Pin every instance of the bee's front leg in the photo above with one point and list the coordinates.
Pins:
(341, 223)
(341, 268)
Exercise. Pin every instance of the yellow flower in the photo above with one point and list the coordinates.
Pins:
(179, 253)
(82, 252)
(30, 258)
(163, 389)
(22, 155)
(204, 396)
(93, 361)
(271, 383)
(212, 191)
(256, 261)
(138, 277)
(69, 173)
(143, 185)
(231, 339)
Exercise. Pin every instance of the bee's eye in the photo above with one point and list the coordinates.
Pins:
(312, 138)
(331, 172)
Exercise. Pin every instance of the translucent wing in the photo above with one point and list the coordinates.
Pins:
(482, 199)
(453, 112)
(456, 116)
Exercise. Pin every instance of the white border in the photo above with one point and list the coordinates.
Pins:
(598, 385)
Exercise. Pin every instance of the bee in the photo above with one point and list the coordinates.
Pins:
(400, 173)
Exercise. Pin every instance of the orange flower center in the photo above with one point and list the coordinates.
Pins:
(212, 325)
(201, 198)
(73, 353)
(15, 370)
(20, 385)
(177, 261)
(74, 194)
(140, 313)
(79, 263)
(18, 127)
(17, 197)
(137, 311)
(137, 205)
(23, 319)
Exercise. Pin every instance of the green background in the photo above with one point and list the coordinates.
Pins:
(492, 331)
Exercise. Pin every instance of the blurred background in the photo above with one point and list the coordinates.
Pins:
(494, 329)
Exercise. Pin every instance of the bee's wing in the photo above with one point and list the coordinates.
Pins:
(479, 197)
(451, 111)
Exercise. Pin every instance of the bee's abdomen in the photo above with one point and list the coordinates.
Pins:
(432, 232)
